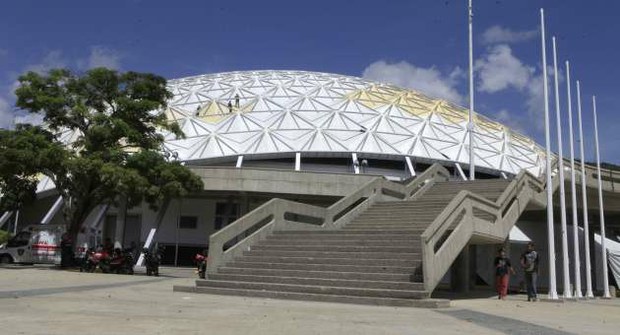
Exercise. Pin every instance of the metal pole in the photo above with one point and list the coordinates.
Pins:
(600, 203)
(470, 125)
(15, 222)
(550, 230)
(573, 187)
(5, 218)
(52, 211)
(176, 243)
(584, 198)
(565, 265)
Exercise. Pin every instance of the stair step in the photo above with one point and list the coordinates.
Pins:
(409, 229)
(392, 277)
(368, 267)
(334, 254)
(399, 262)
(401, 217)
(362, 232)
(337, 242)
(336, 248)
(344, 235)
(377, 301)
(325, 282)
(351, 291)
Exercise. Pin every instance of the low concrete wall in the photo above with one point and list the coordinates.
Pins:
(279, 181)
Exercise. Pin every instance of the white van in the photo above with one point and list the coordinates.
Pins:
(35, 244)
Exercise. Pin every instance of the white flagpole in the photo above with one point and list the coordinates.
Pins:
(565, 265)
(573, 187)
(550, 230)
(584, 198)
(470, 125)
(600, 203)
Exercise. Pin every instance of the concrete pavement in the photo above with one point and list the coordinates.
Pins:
(46, 301)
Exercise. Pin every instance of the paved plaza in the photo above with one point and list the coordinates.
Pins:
(42, 300)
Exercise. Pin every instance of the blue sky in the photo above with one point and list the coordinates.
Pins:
(419, 44)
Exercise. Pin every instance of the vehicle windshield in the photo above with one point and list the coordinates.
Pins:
(20, 240)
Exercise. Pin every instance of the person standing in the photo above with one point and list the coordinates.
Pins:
(503, 269)
(529, 262)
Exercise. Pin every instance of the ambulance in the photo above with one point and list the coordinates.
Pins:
(35, 244)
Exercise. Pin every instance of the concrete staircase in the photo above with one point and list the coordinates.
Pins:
(375, 259)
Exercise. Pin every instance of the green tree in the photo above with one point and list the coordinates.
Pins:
(102, 140)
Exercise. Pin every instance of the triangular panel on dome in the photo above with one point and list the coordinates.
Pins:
(407, 125)
(193, 127)
(175, 114)
(296, 137)
(423, 149)
(336, 122)
(334, 142)
(383, 125)
(317, 142)
(441, 145)
(235, 123)
(282, 144)
(284, 120)
(264, 144)
(447, 132)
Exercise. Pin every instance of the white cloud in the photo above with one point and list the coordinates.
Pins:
(52, 60)
(101, 57)
(6, 114)
(498, 34)
(500, 69)
(508, 119)
(30, 118)
(428, 80)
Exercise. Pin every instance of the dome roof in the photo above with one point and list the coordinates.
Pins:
(284, 112)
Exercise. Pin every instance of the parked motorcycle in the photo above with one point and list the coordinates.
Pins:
(92, 259)
(120, 262)
(152, 261)
(201, 264)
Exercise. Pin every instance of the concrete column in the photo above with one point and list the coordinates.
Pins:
(121, 216)
(460, 273)
(473, 265)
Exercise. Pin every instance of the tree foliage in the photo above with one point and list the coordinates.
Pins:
(112, 143)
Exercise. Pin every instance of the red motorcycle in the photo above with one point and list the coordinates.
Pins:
(92, 259)
(118, 261)
(201, 265)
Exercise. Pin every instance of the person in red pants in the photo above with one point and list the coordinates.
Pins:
(503, 269)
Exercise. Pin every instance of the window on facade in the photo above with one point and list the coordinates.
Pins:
(225, 213)
(188, 222)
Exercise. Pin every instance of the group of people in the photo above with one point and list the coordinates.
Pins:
(503, 270)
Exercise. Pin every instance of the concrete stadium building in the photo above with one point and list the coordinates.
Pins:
(287, 152)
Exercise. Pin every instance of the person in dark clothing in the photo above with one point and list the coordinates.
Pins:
(66, 250)
(108, 246)
(503, 269)
(529, 262)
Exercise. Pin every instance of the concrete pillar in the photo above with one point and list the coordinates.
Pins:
(121, 216)
(473, 265)
(460, 273)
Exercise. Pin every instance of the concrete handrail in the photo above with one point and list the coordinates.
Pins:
(459, 217)
(270, 216)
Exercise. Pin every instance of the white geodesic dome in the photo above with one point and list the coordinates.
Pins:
(275, 113)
